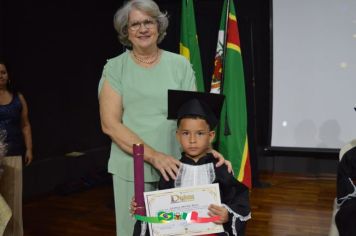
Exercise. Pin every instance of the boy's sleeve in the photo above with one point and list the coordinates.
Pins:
(235, 198)
(138, 228)
(239, 213)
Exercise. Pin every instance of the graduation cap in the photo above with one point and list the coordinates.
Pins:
(206, 105)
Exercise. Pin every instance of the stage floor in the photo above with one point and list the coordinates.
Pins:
(292, 205)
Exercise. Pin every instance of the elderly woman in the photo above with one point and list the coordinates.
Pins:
(133, 103)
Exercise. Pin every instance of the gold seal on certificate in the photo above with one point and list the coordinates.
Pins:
(184, 211)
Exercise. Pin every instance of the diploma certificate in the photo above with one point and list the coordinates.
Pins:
(179, 202)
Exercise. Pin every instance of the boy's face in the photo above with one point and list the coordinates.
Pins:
(194, 137)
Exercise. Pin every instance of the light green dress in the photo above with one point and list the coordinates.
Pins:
(144, 97)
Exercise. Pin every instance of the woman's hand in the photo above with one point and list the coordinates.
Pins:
(216, 210)
(167, 165)
(28, 157)
(221, 160)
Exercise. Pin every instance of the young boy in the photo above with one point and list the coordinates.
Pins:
(197, 115)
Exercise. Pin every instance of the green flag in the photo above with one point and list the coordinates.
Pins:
(228, 78)
(189, 46)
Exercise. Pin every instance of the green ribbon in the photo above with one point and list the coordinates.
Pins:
(149, 219)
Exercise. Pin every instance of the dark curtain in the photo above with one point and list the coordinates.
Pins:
(57, 50)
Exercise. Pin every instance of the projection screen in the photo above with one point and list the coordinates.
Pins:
(314, 73)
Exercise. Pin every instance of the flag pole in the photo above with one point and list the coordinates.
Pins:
(224, 46)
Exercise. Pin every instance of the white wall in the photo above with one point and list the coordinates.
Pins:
(314, 73)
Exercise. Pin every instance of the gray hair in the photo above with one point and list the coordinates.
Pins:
(121, 19)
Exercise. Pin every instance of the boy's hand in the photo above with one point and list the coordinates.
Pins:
(216, 210)
(221, 160)
(133, 206)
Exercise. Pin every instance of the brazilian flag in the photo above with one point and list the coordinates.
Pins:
(189, 46)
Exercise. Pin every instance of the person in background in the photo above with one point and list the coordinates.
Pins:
(5, 211)
(346, 194)
(133, 103)
(15, 123)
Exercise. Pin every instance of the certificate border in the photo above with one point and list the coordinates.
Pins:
(152, 196)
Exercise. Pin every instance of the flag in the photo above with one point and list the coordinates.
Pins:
(228, 78)
(189, 46)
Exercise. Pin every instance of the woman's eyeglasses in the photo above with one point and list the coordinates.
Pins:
(148, 24)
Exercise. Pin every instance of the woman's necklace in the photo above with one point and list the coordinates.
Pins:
(147, 59)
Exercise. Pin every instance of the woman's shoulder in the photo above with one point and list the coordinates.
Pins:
(117, 59)
(16, 97)
(175, 57)
(20, 96)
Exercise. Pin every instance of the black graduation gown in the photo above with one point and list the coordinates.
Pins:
(346, 198)
(232, 193)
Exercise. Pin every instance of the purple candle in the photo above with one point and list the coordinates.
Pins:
(139, 178)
